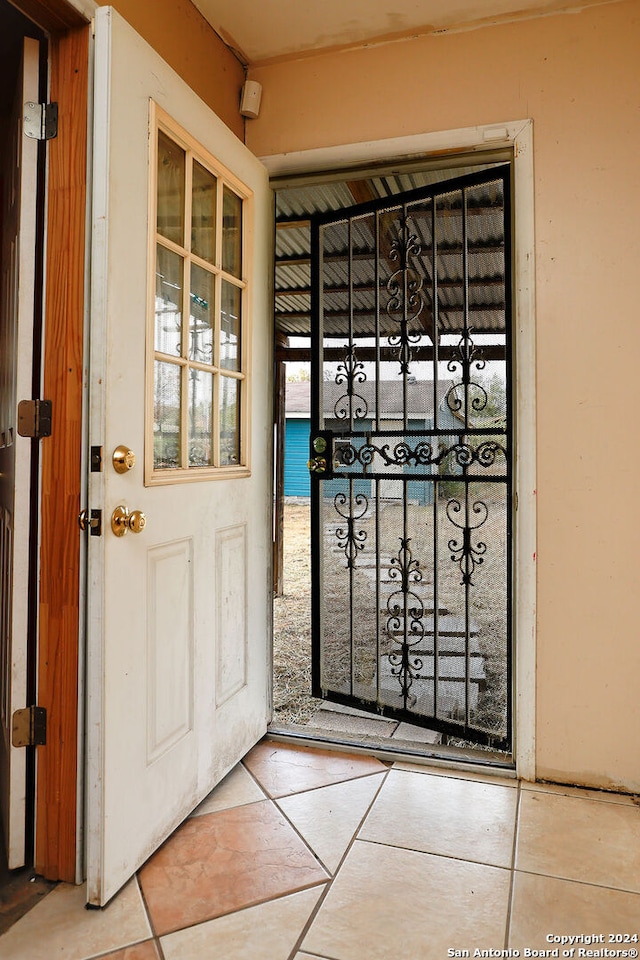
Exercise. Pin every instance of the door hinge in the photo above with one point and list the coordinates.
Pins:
(29, 727)
(34, 418)
(40, 120)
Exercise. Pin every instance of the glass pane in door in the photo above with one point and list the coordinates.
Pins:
(231, 233)
(230, 326)
(229, 421)
(201, 314)
(200, 418)
(171, 192)
(168, 302)
(167, 435)
(203, 213)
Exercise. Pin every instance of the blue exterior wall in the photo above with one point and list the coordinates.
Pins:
(296, 454)
(296, 472)
(417, 490)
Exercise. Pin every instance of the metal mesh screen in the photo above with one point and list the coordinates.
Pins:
(412, 492)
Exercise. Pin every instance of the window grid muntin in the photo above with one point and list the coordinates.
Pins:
(223, 182)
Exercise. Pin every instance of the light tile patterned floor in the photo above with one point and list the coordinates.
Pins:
(305, 854)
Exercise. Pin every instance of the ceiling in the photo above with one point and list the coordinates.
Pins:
(268, 29)
(349, 272)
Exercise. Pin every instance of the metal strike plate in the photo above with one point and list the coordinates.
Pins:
(96, 459)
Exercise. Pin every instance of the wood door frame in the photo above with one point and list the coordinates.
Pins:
(56, 793)
(56, 806)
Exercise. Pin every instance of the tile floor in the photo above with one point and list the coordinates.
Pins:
(305, 854)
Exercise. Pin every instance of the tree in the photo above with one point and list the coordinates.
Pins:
(301, 375)
(495, 389)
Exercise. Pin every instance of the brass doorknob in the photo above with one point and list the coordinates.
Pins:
(122, 521)
(83, 520)
(317, 465)
(137, 521)
(123, 459)
(91, 520)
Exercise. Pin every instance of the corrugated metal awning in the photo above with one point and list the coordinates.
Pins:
(296, 204)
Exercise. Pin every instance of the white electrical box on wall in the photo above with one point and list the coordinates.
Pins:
(250, 101)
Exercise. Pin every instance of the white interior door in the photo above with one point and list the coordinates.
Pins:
(16, 355)
(178, 618)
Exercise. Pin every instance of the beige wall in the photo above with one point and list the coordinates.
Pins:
(185, 40)
(578, 77)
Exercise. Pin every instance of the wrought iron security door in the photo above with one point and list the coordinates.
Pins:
(411, 457)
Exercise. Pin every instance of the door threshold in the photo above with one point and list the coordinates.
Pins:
(396, 751)
(20, 891)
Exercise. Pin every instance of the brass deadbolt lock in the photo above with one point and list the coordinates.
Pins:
(122, 521)
(319, 444)
(317, 465)
(123, 459)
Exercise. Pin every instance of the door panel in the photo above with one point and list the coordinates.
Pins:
(410, 457)
(178, 613)
(16, 352)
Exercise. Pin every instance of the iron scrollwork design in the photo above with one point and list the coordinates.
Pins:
(473, 393)
(351, 405)
(467, 555)
(405, 616)
(404, 287)
(424, 453)
(351, 541)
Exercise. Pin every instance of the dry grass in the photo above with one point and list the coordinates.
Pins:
(292, 623)
(292, 613)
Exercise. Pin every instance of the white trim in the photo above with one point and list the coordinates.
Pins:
(195, 152)
(518, 135)
(100, 97)
(85, 473)
(468, 139)
(525, 455)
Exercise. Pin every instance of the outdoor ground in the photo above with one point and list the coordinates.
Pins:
(293, 703)
(292, 623)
